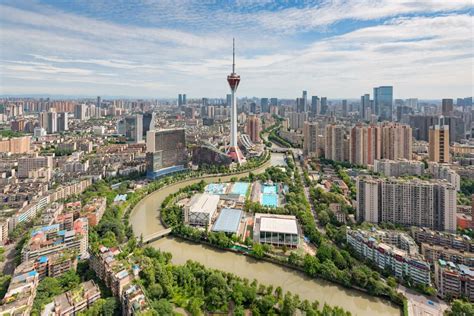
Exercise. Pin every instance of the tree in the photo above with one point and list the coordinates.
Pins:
(289, 305)
(257, 250)
(163, 307)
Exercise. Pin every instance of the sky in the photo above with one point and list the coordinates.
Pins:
(157, 49)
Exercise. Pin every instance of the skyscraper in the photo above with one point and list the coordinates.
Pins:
(52, 122)
(264, 105)
(364, 106)
(310, 139)
(184, 99)
(253, 128)
(148, 122)
(344, 108)
(274, 101)
(383, 101)
(447, 107)
(166, 151)
(324, 106)
(336, 147)
(315, 105)
(305, 101)
(131, 127)
(234, 79)
(180, 99)
(63, 122)
(439, 142)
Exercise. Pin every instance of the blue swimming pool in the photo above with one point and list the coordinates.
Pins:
(269, 199)
(269, 189)
(240, 188)
(215, 188)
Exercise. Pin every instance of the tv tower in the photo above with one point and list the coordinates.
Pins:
(234, 79)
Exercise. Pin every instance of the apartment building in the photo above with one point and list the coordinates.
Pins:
(21, 292)
(76, 300)
(454, 280)
(444, 239)
(134, 301)
(399, 167)
(433, 253)
(414, 202)
(401, 263)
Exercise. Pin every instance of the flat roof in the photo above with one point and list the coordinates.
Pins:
(204, 203)
(228, 221)
(278, 225)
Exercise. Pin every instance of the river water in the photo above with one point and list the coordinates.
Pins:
(145, 220)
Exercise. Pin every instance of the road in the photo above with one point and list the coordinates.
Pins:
(421, 305)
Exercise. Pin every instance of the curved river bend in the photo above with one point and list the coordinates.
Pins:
(145, 220)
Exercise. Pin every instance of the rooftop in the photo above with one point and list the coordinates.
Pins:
(228, 221)
(278, 223)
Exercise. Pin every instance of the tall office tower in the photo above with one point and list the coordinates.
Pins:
(402, 113)
(364, 110)
(439, 142)
(43, 120)
(253, 107)
(229, 100)
(184, 99)
(296, 120)
(234, 79)
(131, 127)
(365, 144)
(412, 102)
(80, 112)
(180, 99)
(447, 107)
(310, 139)
(166, 151)
(416, 202)
(305, 101)
(52, 123)
(253, 128)
(336, 145)
(264, 105)
(299, 105)
(324, 106)
(344, 108)
(205, 101)
(396, 141)
(63, 122)
(99, 103)
(274, 101)
(383, 102)
(148, 122)
(315, 105)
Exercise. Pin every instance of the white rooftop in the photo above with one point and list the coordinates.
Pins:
(278, 225)
(204, 203)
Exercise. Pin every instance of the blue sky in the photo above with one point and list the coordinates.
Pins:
(147, 48)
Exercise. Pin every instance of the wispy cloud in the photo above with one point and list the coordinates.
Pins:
(160, 48)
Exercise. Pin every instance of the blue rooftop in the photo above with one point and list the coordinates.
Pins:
(228, 221)
(43, 259)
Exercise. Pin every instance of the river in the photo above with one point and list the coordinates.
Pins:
(145, 220)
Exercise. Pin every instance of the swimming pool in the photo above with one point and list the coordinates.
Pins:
(269, 189)
(240, 188)
(215, 188)
(269, 199)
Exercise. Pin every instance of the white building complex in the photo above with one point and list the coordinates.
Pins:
(400, 262)
(201, 209)
(277, 230)
(400, 167)
(412, 202)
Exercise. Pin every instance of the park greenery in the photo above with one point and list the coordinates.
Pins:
(10, 134)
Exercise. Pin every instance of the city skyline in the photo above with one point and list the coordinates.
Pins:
(339, 49)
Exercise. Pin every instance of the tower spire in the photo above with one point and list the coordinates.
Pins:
(233, 55)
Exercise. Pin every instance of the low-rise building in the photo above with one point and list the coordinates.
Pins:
(277, 230)
(336, 209)
(385, 256)
(76, 300)
(134, 300)
(21, 292)
(454, 241)
(433, 253)
(201, 209)
(454, 280)
(94, 210)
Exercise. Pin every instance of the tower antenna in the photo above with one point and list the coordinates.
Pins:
(233, 55)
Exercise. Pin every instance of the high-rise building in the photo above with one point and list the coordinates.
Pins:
(365, 144)
(324, 106)
(131, 127)
(383, 102)
(300, 107)
(305, 101)
(336, 147)
(63, 122)
(180, 99)
(184, 99)
(344, 108)
(229, 100)
(264, 105)
(148, 122)
(310, 139)
(253, 128)
(396, 141)
(274, 102)
(15, 145)
(439, 143)
(99, 103)
(447, 107)
(234, 79)
(166, 151)
(80, 112)
(315, 105)
(52, 122)
(296, 120)
(415, 202)
(365, 106)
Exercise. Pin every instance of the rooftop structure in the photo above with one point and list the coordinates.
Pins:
(228, 221)
(201, 209)
(76, 300)
(278, 230)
